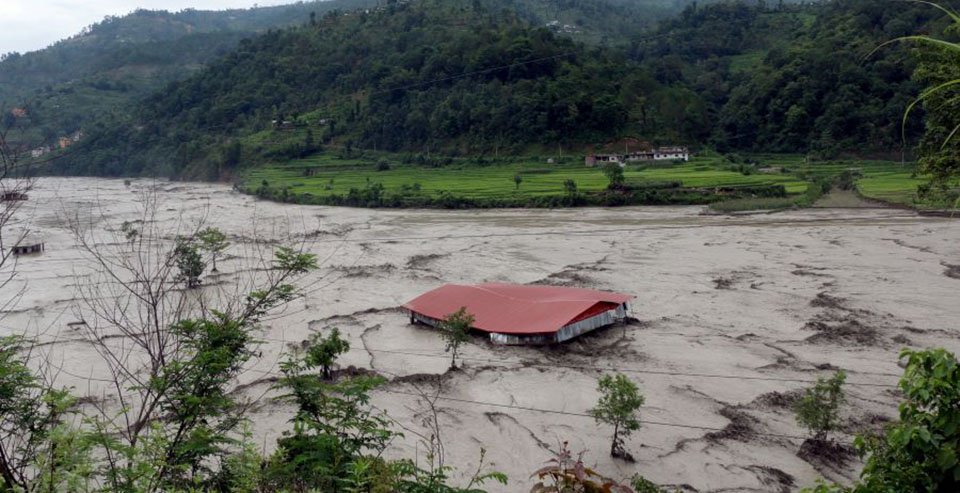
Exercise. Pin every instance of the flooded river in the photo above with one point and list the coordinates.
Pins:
(733, 314)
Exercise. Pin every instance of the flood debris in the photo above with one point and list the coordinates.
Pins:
(777, 400)
(773, 479)
(423, 261)
(741, 427)
(722, 283)
(364, 270)
(826, 453)
(824, 300)
(842, 331)
(952, 270)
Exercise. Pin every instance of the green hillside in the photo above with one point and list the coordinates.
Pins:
(113, 63)
(421, 76)
(460, 83)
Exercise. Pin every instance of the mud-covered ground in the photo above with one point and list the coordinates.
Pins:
(732, 316)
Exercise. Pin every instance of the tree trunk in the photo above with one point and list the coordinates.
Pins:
(613, 446)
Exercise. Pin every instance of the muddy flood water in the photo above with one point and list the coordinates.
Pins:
(732, 316)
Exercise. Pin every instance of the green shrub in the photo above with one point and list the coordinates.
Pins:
(819, 409)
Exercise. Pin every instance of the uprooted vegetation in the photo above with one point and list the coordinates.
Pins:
(841, 331)
(422, 261)
(840, 324)
(826, 453)
(777, 400)
(741, 428)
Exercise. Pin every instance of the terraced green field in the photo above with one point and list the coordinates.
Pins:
(331, 175)
(327, 174)
(886, 181)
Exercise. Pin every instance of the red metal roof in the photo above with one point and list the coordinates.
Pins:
(514, 308)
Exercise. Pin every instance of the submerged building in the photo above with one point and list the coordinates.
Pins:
(522, 314)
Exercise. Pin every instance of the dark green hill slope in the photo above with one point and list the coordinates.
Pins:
(114, 62)
(422, 76)
(471, 77)
(796, 78)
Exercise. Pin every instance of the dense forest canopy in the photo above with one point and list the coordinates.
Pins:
(112, 63)
(491, 77)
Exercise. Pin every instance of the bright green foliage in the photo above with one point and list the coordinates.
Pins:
(30, 419)
(939, 72)
(189, 262)
(476, 182)
(643, 485)
(334, 426)
(614, 174)
(64, 461)
(323, 351)
(456, 330)
(197, 388)
(819, 409)
(200, 415)
(620, 399)
(214, 242)
(920, 452)
(294, 261)
(411, 478)
(241, 469)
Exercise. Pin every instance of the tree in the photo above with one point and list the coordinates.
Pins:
(323, 351)
(455, 329)
(922, 451)
(570, 187)
(517, 180)
(614, 173)
(177, 415)
(620, 399)
(30, 411)
(14, 186)
(188, 260)
(819, 409)
(333, 428)
(214, 242)
(939, 71)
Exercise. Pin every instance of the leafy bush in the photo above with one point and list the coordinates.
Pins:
(920, 452)
(620, 399)
(564, 474)
(455, 329)
(819, 409)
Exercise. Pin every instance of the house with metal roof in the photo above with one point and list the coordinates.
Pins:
(522, 314)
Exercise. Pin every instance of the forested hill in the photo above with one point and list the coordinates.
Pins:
(114, 62)
(471, 76)
(796, 78)
(424, 76)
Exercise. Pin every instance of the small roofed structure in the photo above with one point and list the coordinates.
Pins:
(522, 314)
(12, 196)
(26, 248)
